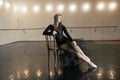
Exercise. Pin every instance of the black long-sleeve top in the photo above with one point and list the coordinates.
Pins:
(60, 37)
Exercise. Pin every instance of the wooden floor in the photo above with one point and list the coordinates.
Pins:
(28, 61)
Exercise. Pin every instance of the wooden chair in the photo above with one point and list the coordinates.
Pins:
(52, 49)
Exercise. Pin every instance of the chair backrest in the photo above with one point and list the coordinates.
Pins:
(51, 42)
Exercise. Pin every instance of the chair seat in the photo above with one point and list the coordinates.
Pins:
(52, 48)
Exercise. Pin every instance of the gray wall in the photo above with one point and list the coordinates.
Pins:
(93, 18)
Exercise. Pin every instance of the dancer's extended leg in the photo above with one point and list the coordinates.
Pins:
(81, 55)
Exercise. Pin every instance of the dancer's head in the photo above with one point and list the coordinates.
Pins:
(57, 18)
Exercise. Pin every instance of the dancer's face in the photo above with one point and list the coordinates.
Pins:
(59, 19)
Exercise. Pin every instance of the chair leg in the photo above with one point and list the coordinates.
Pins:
(54, 59)
(48, 65)
(55, 66)
(57, 63)
(57, 58)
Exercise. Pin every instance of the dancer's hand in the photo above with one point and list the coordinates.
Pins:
(74, 43)
(54, 32)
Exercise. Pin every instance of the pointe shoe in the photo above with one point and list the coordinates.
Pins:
(93, 65)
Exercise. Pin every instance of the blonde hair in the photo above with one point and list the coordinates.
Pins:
(56, 16)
